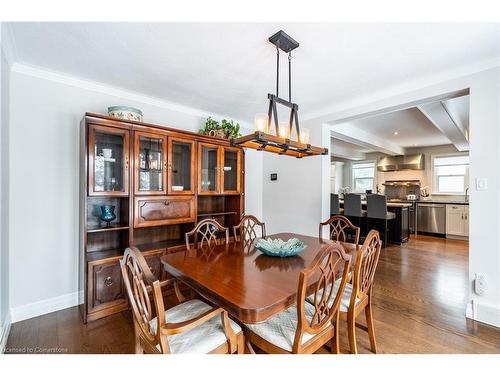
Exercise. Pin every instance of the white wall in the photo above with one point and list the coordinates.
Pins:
(45, 117)
(295, 199)
(4, 192)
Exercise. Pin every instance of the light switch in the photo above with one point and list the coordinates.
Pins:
(481, 183)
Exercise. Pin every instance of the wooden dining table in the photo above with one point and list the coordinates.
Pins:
(248, 284)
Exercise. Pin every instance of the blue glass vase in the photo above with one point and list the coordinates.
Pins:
(108, 214)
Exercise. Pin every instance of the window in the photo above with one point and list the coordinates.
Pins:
(450, 174)
(363, 175)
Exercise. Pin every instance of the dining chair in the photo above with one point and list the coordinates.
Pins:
(358, 292)
(190, 327)
(207, 229)
(305, 327)
(247, 229)
(340, 229)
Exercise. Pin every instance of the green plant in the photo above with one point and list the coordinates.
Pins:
(230, 129)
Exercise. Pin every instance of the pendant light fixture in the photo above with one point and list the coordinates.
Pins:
(281, 142)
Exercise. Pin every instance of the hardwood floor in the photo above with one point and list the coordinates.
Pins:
(419, 303)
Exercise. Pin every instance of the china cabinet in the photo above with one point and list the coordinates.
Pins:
(159, 182)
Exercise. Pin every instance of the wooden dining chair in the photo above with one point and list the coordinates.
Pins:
(189, 327)
(358, 292)
(341, 229)
(305, 327)
(207, 229)
(247, 229)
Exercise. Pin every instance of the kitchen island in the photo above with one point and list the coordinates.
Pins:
(400, 228)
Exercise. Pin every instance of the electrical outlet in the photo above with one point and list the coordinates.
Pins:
(479, 284)
(481, 183)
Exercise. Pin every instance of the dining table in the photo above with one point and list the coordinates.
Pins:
(248, 284)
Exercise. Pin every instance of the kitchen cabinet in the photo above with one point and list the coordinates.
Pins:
(457, 220)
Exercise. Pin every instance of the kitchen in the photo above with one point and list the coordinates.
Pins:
(417, 158)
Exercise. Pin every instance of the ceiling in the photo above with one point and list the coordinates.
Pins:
(403, 129)
(229, 68)
(413, 128)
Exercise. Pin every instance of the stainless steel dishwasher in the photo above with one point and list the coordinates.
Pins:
(431, 218)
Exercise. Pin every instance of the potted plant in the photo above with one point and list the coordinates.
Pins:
(224, 129)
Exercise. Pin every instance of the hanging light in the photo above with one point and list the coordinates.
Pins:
(281, 141)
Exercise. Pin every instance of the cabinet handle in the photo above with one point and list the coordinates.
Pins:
(167, 203)
(108, 281)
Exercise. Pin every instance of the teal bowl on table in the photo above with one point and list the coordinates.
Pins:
(279, 248)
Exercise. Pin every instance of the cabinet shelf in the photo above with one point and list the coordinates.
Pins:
(218, 213)
(98, 229)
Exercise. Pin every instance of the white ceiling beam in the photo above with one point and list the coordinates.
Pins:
(341, 151)
(352, 134)
(437, 114)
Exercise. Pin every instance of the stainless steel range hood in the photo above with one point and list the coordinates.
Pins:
(401, 163)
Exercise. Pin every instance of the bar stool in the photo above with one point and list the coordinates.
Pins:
(335, 205)
(378, 216)
(353, 210)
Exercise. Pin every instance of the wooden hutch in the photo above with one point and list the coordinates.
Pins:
(161, 181)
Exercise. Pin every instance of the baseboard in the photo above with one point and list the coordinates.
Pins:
(483, 313)
(43, 307)
(4, 333)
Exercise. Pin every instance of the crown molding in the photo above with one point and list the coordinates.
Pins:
(103, 88)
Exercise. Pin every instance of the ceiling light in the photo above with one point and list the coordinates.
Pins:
(396, 133)
(281, 141)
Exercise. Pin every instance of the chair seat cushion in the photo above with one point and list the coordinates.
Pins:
(201, 339)
(346, 298)
(280, 329)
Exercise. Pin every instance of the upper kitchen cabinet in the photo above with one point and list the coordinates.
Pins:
(150, 163)
(219, 169)
(108, 158)
(181, 166)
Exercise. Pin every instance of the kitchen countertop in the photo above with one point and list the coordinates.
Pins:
(437, 201)
(389, 204)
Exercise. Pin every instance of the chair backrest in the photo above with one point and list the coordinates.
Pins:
(206, 231)
(140, 284)
(247, 229)
(334, 204)
(330, 264)
(376, 206)
(340, 228)
(365, 266)
(352, 205)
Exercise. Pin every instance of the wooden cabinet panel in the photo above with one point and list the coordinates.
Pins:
(181, 166)
(150, 211)
(154, 264)
(106, 289)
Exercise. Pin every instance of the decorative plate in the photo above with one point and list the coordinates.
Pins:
(125, 113)
(279, 248)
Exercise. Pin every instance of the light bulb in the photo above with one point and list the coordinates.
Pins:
(260, 122)
(284, 130)
(304, 135)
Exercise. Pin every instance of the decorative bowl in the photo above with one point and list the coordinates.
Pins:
(279, 248)
(125, 113)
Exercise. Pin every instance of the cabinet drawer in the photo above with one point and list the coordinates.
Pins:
(106, 289)
(150, 211)
(455, 208)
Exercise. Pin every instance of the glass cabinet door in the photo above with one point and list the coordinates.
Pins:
(208, 173)
(150, 163)
(231, 167)
(181, 162)
(108, 161)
